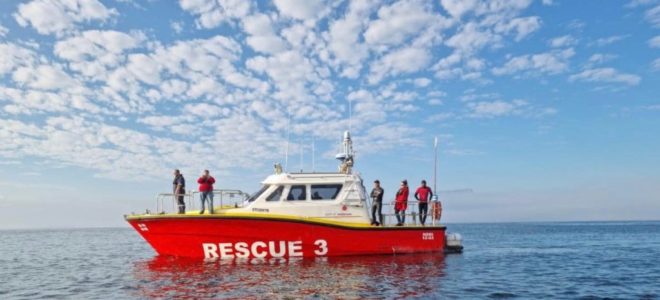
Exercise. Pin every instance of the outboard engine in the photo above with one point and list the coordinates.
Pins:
(454, 243)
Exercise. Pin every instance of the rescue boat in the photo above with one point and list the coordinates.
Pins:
(292, 215)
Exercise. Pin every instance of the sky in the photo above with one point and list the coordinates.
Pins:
(544, 110)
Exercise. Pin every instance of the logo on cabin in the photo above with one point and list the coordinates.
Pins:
(344, 207)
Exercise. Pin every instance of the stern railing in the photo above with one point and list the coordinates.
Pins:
(412, 215)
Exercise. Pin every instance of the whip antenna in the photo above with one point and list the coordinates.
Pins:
(435, 166)
(288, 136)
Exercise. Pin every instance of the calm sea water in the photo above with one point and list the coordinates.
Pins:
(523, 260)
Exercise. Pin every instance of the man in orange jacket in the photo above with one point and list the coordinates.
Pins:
(401, 203)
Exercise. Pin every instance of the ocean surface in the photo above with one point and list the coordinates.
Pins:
(589, 260)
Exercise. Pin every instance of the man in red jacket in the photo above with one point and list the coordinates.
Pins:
(401, 203)
(423, 195)
(206, 188)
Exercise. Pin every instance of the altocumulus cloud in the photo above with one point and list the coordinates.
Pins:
(129, 102)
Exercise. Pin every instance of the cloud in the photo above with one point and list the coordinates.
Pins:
(177, 26)
(552, 62)
(60, 16)
(653, 107)
(262, 38)
(300, 9)
(599, 58)
(3, 31)
(126, 102)
(422, 82)
(471, 38)
(400, 21)
(92, 53)
(439, 117)
(45, 77)
(609, 40)
(606, 75)
(405, 60)
(653, 16)
(456, 8)
(655, 42)
(344, 38)
(13, 56)
(656, 64)
(562, 41)
(496, 108)
(522, 26)
(503, 9)
(212, 13)
(500, 108)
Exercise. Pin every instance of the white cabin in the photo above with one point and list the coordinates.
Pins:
(335, 196)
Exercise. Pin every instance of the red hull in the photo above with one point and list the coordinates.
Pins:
(232, 237)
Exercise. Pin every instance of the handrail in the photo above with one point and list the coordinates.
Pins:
(411, 212)
(191, 196)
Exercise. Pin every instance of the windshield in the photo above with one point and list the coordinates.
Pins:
(257, 194)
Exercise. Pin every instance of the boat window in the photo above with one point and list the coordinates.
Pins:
(325, 191)
(276, 195)
(257, 194)
(297, 193)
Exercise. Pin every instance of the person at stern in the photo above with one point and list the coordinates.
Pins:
(401, 203)
(377, 204)
(423, 195)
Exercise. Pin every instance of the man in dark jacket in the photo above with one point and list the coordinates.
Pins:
(179, 190)
(377, 204)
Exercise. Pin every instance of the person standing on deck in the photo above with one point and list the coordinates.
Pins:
(377, 204)
(206, 190)
(401, 203)
(423, 194)
(179, 189)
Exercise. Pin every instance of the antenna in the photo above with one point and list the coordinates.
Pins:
(435, 166)
(288, 135)
(350, 115)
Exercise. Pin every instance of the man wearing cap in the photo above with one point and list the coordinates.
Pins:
(401, 203)
(377, 203)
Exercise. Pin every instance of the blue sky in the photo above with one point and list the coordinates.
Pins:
(545, 110)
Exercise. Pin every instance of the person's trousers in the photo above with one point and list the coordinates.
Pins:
(182, 204)
(204, 196)
(377, 208)
(423, 211)
(400, 215)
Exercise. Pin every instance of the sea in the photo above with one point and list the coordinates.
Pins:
(577, 260)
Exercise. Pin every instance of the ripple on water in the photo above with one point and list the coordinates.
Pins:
(534, 260)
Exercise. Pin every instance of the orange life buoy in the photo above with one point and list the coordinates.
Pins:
(437, 210)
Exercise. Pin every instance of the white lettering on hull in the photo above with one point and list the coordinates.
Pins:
(261, 249)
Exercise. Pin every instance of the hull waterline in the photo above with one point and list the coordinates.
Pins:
(242, 237)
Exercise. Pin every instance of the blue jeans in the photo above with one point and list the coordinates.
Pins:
(206, 196)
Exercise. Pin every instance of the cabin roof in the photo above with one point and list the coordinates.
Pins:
(306, 178)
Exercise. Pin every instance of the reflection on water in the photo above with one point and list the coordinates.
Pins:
(415, 275)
